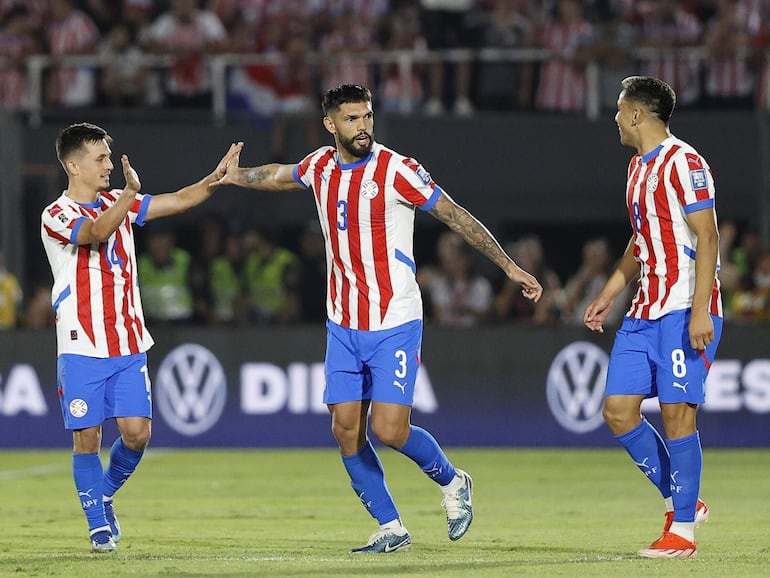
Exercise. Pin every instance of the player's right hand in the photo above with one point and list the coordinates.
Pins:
(132, 178)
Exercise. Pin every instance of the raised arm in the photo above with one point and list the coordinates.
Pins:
(270, 177)
(478, 236)
(192, 195)
(100, 229)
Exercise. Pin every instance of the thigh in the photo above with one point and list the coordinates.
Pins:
(128, 389)
(393, 359)
(81, 383)
(682, 370)
(347, 379)
(630, 370)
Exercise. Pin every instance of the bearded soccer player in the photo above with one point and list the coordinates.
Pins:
(669, 336)
(101, 335)
(366, 196)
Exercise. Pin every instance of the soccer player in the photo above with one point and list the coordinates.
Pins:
(101, 336)
(366, 196)
(670, 334)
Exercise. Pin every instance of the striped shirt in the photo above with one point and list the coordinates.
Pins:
(95, 293)
(664, 186)
(367, 210)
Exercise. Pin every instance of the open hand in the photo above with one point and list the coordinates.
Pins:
(132, 178)
(227, 167)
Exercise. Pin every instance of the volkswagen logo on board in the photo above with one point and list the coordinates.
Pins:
(575, 386)
(190, 389)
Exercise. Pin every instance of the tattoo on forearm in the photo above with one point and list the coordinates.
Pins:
(257, 175)
(477, 236)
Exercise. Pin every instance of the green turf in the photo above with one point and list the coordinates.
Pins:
(554, 512)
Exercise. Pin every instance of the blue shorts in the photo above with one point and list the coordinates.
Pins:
(378, 365)
(654, 358)
(93, 389)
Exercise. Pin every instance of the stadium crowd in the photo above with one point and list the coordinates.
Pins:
(241, 277)
(731, 71)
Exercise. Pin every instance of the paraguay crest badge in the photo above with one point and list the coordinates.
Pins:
(369, 189)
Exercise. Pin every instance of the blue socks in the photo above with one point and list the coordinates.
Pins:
(123, 462)
(368, 480)
(686, 468)
(88, 474)
(649, 452)
(423, 449)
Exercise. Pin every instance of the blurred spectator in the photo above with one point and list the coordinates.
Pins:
(511, 305)
(339, 47)
(123, 78)
(667, 26)
(752, 302)
(38, 309)
(164, 269)
(505, 85)
(312, 279)
(226, 284)
(400, 90)
(189, 34)
(443, 23)
(209, 238)
(71, 32)
(17, 41)
(587, 282)
(616, 36)
(271, 276)
(562, 82)
(746, 254)
(10, 297)
(729, 77)
(760, 45)
(729, 273)
(457, 296)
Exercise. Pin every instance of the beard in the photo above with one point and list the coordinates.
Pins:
(353, 148)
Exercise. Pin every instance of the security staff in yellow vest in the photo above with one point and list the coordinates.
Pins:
(164, 270)
(10, 297)
(271, 275)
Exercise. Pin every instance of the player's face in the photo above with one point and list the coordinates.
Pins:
(92, 167)
(353, 128)
(625, 118)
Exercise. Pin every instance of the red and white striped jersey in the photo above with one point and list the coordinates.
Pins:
(664, 186)
(562, 85)
(95, 292)
(367, 210)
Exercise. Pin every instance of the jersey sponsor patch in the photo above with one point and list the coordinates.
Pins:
(698, 179)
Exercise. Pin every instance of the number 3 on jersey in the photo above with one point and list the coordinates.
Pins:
(342, 215)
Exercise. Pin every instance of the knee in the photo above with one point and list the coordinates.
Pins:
(392, 434)
(620, 420)
(137, 439)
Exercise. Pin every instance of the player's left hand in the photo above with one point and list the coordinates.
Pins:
(701, 330)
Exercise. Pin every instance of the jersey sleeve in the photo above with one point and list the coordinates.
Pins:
(304, 171)
(693, 182)
(62, 223)
(415, 185)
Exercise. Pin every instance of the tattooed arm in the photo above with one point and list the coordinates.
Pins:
(270, 177)
(478, 236)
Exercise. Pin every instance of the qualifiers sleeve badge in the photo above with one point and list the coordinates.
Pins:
(698, 179)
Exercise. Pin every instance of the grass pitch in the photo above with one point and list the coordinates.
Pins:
(566, 512)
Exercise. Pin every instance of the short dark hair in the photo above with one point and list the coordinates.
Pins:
(339, 95)
(653, 93)
(73, 138)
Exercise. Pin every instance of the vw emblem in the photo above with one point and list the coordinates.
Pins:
(575, 386)
(191, 389)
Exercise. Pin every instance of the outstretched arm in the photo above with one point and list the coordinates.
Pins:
(100, 229)
(599, 308)
(270, 177)
(192, 195)
(478, 236)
